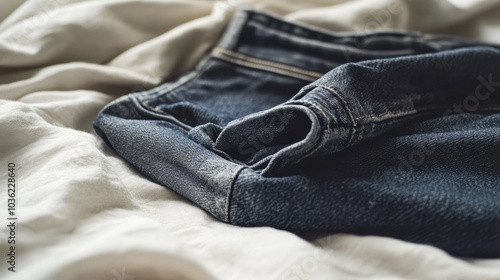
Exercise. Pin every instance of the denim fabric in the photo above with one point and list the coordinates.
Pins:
(282, 125)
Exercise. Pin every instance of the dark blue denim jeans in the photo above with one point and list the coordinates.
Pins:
(282, 125)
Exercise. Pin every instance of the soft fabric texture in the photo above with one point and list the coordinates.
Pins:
(368, 148)
(85, 214)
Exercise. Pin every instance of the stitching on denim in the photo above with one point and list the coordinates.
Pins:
(267, 62)
(202, 69)
(322, 112)
(270, 69)
(357, 119)
(352, 129)
(176, 86)
(408, 113)
(348, 108)
(315, 33)
(434, 108)
(230, 194)
(328, 130)
(267, 65)
(358, 136)
(147, 112)
(404, 113)
(390, 114)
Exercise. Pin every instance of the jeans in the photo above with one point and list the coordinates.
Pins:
(283, 125)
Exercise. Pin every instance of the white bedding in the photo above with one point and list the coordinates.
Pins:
(82, 213)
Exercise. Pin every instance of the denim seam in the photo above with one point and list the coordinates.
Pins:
(389, 113)
(232, 37)
(337, 42)
(165, 88)
(316, 33)
(170, 91)
(352, 130)
(268, 62)
(361, 117)
(429, 109)
(322, 112)
(413, 112)
(399, 114)
(262, 67)
(262, 64)
(346, 104)
(396, 114)
(328, 131)
(147, 112)
(230, 194)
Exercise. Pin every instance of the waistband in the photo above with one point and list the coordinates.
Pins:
(263, 41)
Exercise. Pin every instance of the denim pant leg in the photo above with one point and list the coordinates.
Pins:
(431, 176)
(292, 127)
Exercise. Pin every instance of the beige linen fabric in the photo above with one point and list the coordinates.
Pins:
(85, 214)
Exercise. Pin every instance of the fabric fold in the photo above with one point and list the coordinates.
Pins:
(359, 101)
(397, 137)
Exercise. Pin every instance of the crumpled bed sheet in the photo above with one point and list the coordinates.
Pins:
(83, 213)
